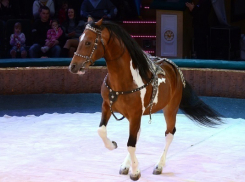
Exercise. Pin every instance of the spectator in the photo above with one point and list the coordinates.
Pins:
(76, 4)
(17, 40)
(200, 14)
(6, 10)
(63, 12)
(39, 34)
(73, 28)
(53, 34)
(37, 4)
(98, 9)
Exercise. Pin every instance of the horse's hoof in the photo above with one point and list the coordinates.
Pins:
(135, 177)
(115, 144)
(157, 170)
(124, 171)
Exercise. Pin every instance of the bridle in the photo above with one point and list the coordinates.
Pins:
(98, 36)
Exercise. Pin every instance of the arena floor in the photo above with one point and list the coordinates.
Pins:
(53, 138)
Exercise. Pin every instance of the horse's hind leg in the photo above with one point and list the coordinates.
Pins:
(170, 118)
(102, 131)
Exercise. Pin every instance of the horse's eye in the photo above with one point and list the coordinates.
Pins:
(87, 43)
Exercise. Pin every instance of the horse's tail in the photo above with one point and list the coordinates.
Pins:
(197, 110)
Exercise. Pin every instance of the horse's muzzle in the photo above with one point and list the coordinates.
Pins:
(74, 68)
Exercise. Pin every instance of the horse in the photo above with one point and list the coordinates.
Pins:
(137, 84)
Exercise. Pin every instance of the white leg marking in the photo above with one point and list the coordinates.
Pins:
(139, 82)
(168, 139)
(160, 80)
(138, 135)
(82, 37)
(103, 134)
(135, 170)
(127, 161)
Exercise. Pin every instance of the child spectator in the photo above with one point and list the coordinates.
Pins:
(17, 40)
(53, 35)
(37, 4)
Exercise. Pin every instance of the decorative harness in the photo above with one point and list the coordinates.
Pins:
(98, 35)
(153, 67)
(155, 70)
(113, 95)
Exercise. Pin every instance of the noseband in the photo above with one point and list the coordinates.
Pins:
(98, 35)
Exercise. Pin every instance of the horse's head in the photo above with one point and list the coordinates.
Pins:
(90, 48)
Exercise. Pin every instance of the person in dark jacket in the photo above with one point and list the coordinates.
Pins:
(98, 9)
(200, 14)
(39, 34)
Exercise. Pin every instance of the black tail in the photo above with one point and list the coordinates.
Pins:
(197, 110)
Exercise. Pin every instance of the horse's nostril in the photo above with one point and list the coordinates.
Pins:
(72, 67)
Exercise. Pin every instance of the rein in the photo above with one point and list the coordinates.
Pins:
(98, 35)
(113, 95)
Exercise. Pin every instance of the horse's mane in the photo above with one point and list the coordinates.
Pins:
(135, 51)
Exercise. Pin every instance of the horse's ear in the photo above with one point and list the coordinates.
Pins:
(99, 23)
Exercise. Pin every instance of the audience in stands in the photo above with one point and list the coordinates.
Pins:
(37, 4)
(39, 34)
(73, 29)
(39, 12)
(17, 41)
(98, 9)
(53, 35)
(6, 10)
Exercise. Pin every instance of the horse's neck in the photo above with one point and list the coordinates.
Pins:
(119, 73)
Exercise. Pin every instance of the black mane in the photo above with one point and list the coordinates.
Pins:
(132, 46)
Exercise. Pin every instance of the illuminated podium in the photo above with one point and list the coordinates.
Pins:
(169, 27)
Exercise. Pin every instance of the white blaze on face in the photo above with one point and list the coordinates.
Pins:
(139, 82)
(160, 80)
(82, 37)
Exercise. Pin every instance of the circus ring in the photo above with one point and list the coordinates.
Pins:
(61, 143)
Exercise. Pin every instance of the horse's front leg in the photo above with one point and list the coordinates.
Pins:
(102, 131)
(124, 169)
(133, 135)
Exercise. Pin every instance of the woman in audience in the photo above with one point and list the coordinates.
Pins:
(73, 28)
